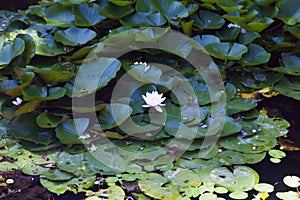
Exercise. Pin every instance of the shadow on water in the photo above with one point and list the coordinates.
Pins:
(269, 172)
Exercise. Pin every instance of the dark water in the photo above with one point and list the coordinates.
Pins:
(272, 173)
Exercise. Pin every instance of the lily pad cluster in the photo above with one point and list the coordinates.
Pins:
(43, 68)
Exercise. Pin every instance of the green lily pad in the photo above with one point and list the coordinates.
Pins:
(25, 127)
(276, 153)
(288, 87)
(45, 120)
(22, 60)
(122, 2)
(236, 158)
(172, 10)
(183, 178)
(59, 15)
(226, 51)
(36, 92)
(208, 20)
(240, 179)
(92, 77)
(13, 88)
(87, 14)
(290, 65)
(113, 115)
(238, 195)
(264, 187)
(10, 51)
(292, 181)
(115, 12)
(74, 36)
(256, 55)
(143, 19)
(113, 192)
(78, 184)
(289, 11)
(48, 47)
(69, 131)
(156, 187)
(290, 195)
(240, 105)
(252, 144)
(229, 6)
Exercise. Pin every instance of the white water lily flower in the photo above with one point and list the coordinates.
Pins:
(143, 63)
(17, 102)
(154, 100)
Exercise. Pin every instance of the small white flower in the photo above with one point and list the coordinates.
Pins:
(154, 100)
(147, 67)
(93, 148)
(233, 25)
(84, 137)
(18, 101)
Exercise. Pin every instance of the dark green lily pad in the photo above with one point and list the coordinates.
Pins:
(208, 20)
(10, 51)
(74, 36)
(256, 55)
(69, 131)
(172, 10)
(25, 127)
(59, 15)
(143, 19)
(289, 11)
(87, 14)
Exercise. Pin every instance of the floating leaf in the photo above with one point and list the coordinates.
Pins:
(115, 12)
(156, 187)
(48, 47)
(208, 20)
(256, 55)
(289, 11)
(264, 187)
(143, 19)
(113, 115)
(276, 153)
(87, 14)
(24, 127)
(94, 75)
(75, 184)
(69, 131)
(172, 10)
(240, 179)
(292, 181)
(10, 51)
(290, 195)
(238, 195)
(226, 51)
(74, 36)
(59, 15)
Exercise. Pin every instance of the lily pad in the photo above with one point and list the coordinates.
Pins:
(156, 186)
(10, 51)
(289, 11)
(256, 55)
(59, 15)
(292, 181)
(74, 36)
(24, 127)
(207, 20)
(69, 131)
(172, 10)
(239, 180)
(87, 14)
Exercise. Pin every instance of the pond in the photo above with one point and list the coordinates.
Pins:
(269, 172)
